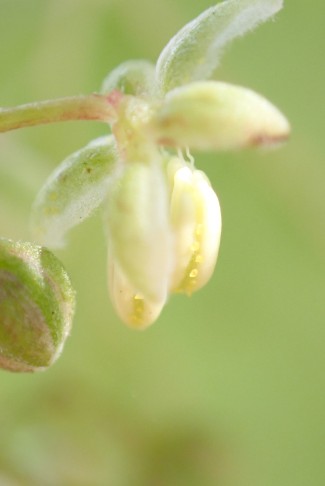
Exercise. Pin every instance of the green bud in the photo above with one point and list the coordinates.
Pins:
(131, 78)
(36, 306)
(211, 115)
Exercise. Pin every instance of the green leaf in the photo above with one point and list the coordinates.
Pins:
(74, 190)
(194, 52)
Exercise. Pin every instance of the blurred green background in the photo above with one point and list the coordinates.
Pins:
(227, 388)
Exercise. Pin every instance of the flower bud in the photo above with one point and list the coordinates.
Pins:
(139, 229)
(211, 115)
(196, 221)
(132, 308)
(36, 306)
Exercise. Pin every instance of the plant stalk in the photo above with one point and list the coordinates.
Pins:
(89, 107)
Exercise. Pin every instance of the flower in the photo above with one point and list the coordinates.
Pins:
(161, 214)
(164, 232)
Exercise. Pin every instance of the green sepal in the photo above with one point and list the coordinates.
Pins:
(194, 52)
(37, 304)
(74, 190)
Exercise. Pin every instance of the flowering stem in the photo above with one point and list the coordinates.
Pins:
(89, 107)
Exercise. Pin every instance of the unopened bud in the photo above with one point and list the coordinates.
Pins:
(211, 115)
(36, 306)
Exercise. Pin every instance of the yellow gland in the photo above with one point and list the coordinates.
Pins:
(196, 222)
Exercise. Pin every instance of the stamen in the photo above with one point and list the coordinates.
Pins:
(180, 154)
(189, 156)
(189, 159)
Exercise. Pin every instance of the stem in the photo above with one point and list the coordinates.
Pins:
(89, 107)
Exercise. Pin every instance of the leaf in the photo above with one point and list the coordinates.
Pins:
(74, 190)
(194, 52)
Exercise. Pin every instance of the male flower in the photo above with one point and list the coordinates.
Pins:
(162, 217)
